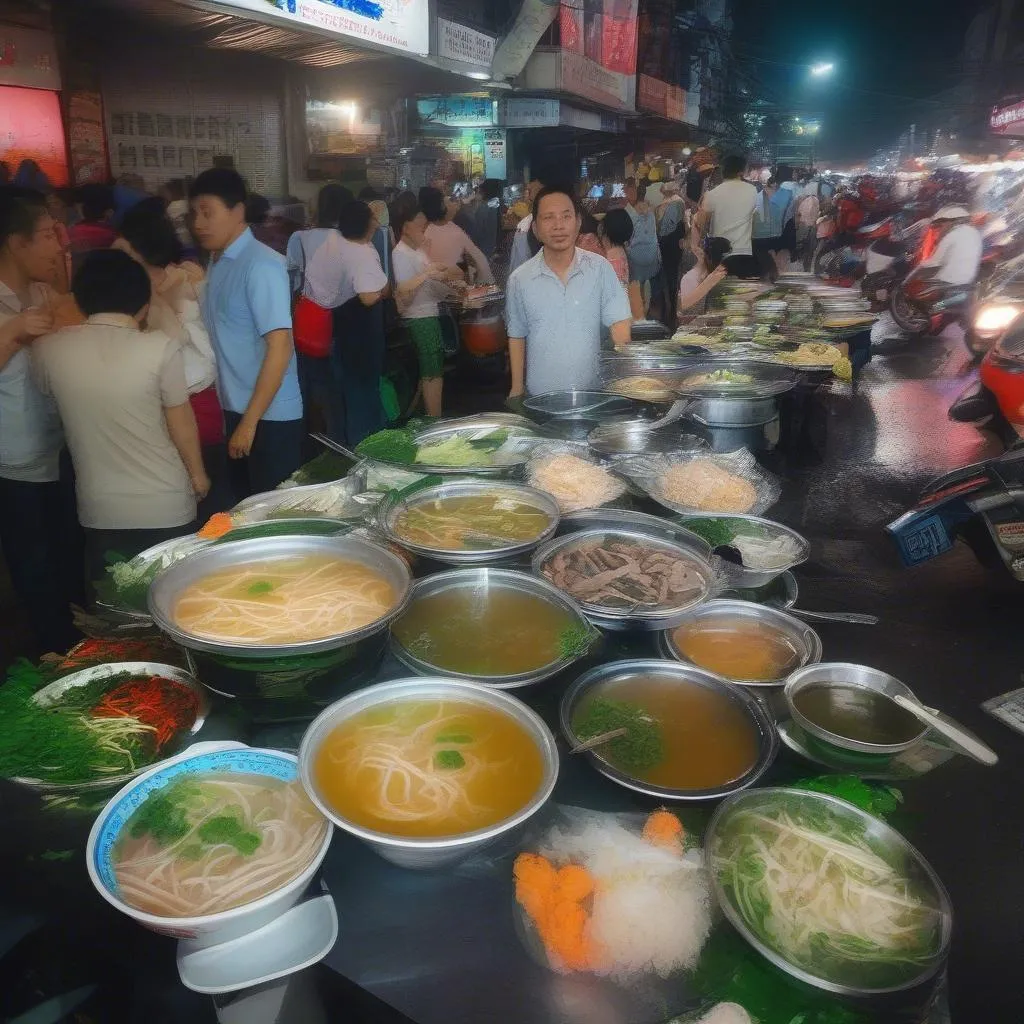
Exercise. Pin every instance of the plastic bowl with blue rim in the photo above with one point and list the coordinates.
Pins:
(200, 759)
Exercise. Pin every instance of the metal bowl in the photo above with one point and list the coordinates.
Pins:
(166, 588)
(803, 638)
(624, 438)
(52, 694)
(671, 674)
(616, 518)
(427, 853)
(633, 619)
(578, 405)
(479, 582)
(743, 578)
(275, 504)
(882, 837)
(391, 509)
(843, 674)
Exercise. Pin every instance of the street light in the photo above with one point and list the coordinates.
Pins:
(820, 70)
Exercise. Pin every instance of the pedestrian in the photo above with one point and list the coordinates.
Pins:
(671, 231)
(95, 229)
(557, 304)
(766, 233)
(175, 195)
(247, 313)
(644, 252)
(480, 217)
(446, 243)
(314, 292)
(358, 331)
(124, 403)
(698, 282)
(727, 211)
(420, 284)
(149, 236)
(521, 248)
(39, 533)
(785, 200)
(616, 234)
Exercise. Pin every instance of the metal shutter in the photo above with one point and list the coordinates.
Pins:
(170, 111)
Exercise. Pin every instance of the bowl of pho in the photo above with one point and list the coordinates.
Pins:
(210, 845)
(827, 892)
(430, 770)
(496, 626)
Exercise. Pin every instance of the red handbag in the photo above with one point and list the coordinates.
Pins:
(312, 328)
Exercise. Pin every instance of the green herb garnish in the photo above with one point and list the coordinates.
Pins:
(717, 532)
(449, 759)
(575, 641)
(163, 816)
(454, 737)
(260, 587)
(229, 830)
(639, 750)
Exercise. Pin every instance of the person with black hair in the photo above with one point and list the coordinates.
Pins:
(95, 229)
(557, 304)
(698, 281)
(247, 312)
(616, 234)
(727, 211)
(446, 243)
(124, 404)
(175, 195)
(39, 534)
(358, 327)
(523, 239)
(480, 216)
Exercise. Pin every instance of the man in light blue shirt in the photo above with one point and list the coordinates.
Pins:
(247, 311)
(557, 304)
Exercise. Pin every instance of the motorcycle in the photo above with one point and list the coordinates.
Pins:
(891, 260)
(921, 305)
(844, 238)
(981, 504)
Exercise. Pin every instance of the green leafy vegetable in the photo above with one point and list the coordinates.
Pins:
(881, 801)
(639, 750)
(57, 855)
(389, 446)
(260, 587)
(449, 759)
(227, 829)
(163, 815)
(454, 451)
(492, 441)
(575, 641)
(717, 532)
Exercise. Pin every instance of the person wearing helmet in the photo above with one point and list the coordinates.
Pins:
(957, 256)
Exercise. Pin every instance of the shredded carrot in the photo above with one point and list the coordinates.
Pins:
(665, 830)
(574, 883)
(216, 526)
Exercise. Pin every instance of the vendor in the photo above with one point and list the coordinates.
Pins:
(558, 302)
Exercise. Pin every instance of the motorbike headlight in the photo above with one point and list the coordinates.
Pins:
(993, 320)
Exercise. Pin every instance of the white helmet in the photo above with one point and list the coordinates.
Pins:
(953, 213)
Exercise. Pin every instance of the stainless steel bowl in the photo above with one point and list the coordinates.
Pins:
(636, 437)
(882, 837)
(390, 510)
(578, 405)
(632, 619)
(167, 587)
(671, 674)
(616, 518)
(427, 853)
(843, 674)
(52, 694)
(275, 504)
(743, 578)
(479, 582)
(806, 642)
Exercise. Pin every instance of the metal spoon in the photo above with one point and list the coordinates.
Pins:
(961, 737)
(859, 618)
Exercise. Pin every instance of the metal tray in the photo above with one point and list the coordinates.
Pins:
(513, 454)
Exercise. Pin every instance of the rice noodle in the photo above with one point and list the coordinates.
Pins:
(575, 483)
(701, 484)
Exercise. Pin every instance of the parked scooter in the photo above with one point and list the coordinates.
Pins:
(981, 504)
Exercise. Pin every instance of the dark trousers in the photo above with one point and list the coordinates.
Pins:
(104, 546)
(220, 498)
(358, 362)
(276, 453)
(742, 266)
(42, 545)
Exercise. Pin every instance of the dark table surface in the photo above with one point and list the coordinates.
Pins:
(440, 948)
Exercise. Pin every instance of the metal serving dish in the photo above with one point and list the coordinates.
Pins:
(592, 406)
(166, 588)
(391, 509)
(52, 694)
(428, 853)
(636, 437)
(478, 581)
(847, 675)
(671, 674)
(804, 639)
(634, 531)
(274, 504)
(882, 837)
(516, 449)
(654, 526)
(742, 578)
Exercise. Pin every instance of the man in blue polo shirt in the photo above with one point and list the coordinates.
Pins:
(557, 304)
(247, 310)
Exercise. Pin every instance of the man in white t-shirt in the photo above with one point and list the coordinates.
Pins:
(728, 212)
(957, 257)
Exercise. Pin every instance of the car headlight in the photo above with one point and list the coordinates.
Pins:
(993, 320)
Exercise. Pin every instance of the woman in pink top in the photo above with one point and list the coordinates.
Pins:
(446, 243)
(616, 231)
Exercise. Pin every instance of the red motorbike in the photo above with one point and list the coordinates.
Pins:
(858, 218)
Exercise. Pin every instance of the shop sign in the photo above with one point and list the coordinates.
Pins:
(397, 24)
(658, 97)
(591, 120)
(495, 153)
(529, 113)
(599, 51)
(1008, 120)
(457, 111)
(457, 42)
(28, 58)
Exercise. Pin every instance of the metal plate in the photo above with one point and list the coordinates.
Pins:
(635, 437)
(578, 405)
(513, 454)
(766, 381)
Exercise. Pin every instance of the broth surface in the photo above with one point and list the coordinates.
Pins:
(743, 649)
(857, 713)
(428, 767)
(709, 740)
(471, 523)
(486, 631)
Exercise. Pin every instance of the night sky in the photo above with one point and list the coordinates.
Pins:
(889, 55)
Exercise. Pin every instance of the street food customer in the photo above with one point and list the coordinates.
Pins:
(124, 403)
(558, 302)
(727, 211)
(446, 242)
(38, 530)
(247, 313)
